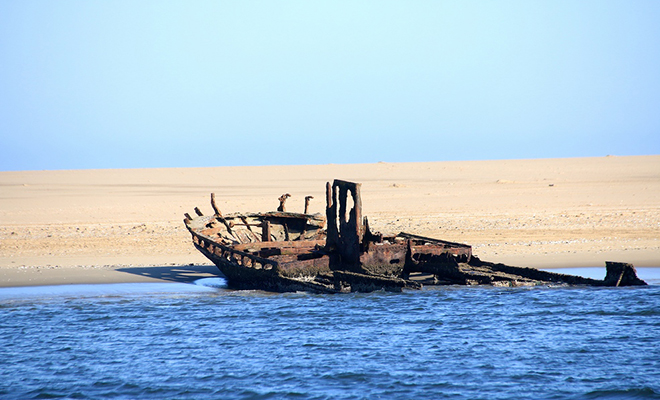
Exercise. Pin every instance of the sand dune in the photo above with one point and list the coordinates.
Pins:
(540, 213)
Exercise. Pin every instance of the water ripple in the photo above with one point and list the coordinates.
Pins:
(451, 342)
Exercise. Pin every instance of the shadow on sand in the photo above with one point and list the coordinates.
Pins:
(176, 273)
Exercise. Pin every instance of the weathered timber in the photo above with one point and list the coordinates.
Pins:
(296, 252)
(216, 210)
(307, 200)
(282, 200)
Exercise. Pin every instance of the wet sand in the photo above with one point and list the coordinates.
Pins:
(103, 226)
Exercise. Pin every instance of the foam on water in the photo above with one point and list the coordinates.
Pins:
(219, 283)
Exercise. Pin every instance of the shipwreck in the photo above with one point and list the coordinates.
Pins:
(337, 252)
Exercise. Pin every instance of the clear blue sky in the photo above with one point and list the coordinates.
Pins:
(125, 84)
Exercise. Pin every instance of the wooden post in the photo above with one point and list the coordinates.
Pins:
(282, 200)
(307, 199)
(215, 207)
(265, 232)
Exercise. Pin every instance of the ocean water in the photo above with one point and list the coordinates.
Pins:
(204, 341)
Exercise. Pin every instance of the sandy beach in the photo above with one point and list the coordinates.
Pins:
(102, 226)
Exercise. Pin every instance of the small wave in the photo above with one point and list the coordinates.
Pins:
(230, 344)
(632, 393)
(347, 376)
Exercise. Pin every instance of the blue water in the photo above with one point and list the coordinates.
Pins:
(183, 341)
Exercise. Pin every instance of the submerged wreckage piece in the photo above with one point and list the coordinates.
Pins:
(284, 251)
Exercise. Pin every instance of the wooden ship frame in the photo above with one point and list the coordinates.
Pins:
(282, 251)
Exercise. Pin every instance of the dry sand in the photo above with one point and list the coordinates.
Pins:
(93, 226)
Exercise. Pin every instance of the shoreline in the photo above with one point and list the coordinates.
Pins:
(46, 275)
(90, 274)
(188, 274)
(543, 213)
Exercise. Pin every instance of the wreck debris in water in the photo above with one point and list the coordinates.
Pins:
(284, 251)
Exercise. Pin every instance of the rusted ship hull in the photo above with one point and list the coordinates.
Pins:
(300, 266)
(282, 252)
